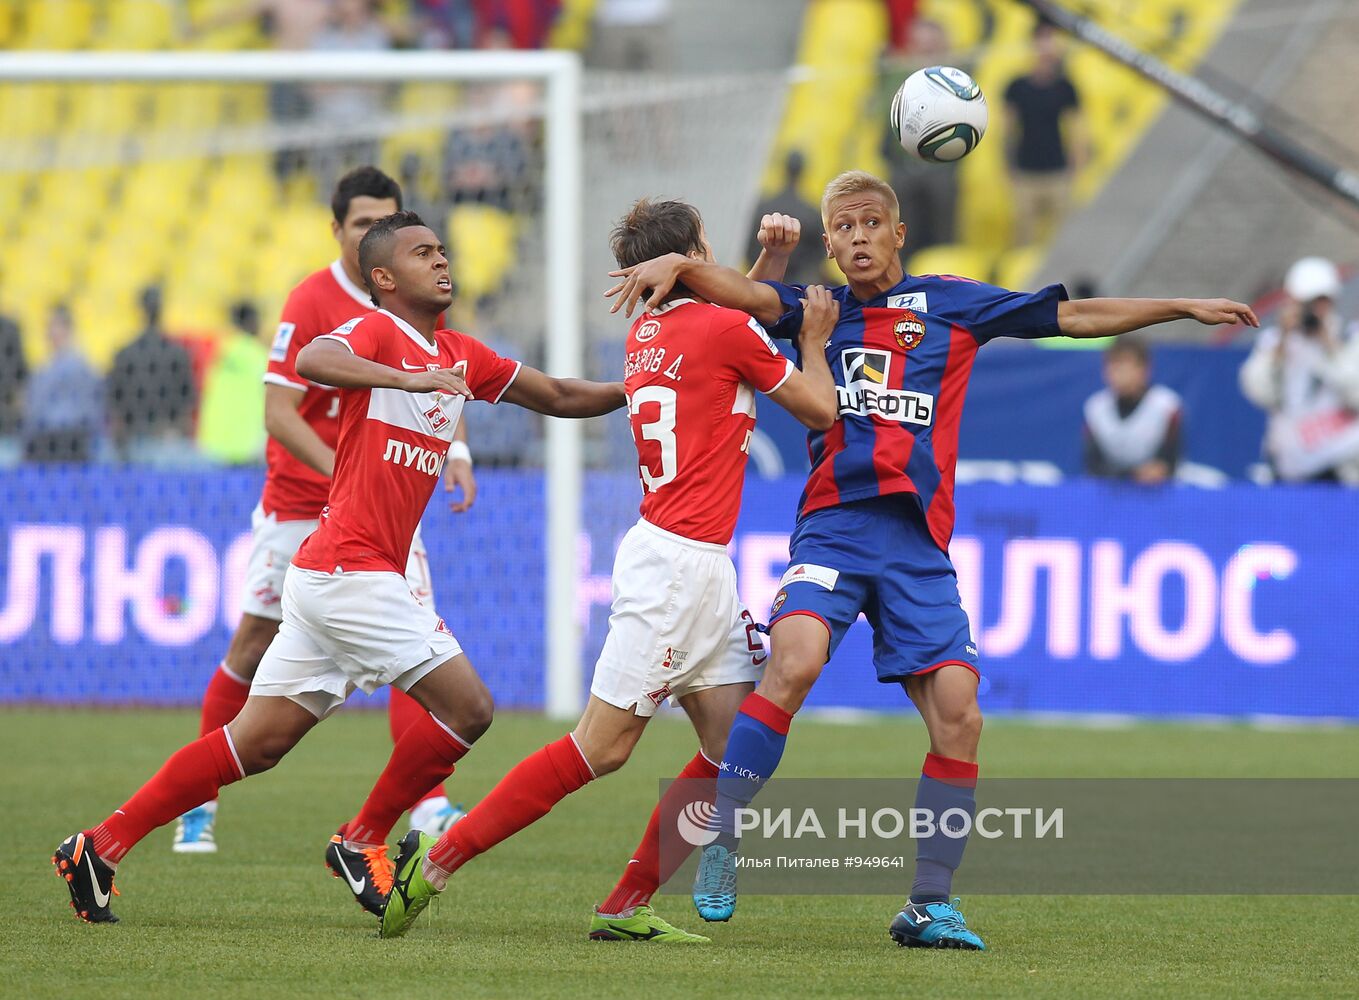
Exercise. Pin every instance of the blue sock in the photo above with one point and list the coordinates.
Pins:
(945, 784)
(754, 748)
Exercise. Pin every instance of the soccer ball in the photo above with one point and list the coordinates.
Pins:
(939, 114)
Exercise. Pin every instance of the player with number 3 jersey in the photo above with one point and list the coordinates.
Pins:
(677, 627)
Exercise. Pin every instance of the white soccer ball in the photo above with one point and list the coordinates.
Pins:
(939, 114)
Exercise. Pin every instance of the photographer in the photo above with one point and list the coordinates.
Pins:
(1305, 373)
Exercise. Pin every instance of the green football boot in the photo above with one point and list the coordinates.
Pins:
(642, 925)
(410, 892)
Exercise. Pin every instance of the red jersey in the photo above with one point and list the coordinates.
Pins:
(392, 444)
(293, 491)
(691, 376)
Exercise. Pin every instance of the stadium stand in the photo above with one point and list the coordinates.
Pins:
(842, 41)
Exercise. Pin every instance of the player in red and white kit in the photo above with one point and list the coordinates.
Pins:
(349, 618)
(302, 419)
(678, 628)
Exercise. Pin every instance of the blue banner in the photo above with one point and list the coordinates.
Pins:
(121, 587)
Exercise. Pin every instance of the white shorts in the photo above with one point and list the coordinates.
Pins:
(275, 544)
(349, 630)
(677, 624)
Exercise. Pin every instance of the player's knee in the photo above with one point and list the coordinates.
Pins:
(789, 678)
(475, 716)
(961, 723)
(263, 753)
(606, 760)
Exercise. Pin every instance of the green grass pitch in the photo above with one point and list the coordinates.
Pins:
(263, 918)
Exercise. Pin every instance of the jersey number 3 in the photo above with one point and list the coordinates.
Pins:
(661, 430)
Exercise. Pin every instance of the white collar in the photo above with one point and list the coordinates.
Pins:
(410, 331)
(664, 308)
(352, 290)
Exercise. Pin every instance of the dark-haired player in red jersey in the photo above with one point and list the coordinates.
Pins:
(349, 619)
(302, 419)
(678, 628)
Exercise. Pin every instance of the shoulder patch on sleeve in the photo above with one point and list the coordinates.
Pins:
(278, 350)
(754, 324)
(345, 329)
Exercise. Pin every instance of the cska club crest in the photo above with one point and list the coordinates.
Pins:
(909, 330)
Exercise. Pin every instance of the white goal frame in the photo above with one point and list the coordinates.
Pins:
(560, 73)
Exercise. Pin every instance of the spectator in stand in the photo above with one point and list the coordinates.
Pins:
(809, 257)
(928, 192)
(63, 419)
(632, 35)
(526, 23)
(1045, 139)
(1132, 428)
(151, 395)
(231, 418)
(446, 24)
(488, 162)
(13, 376)
(1304, 371)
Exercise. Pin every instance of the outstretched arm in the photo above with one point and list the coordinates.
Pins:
(1082, 318)
(563, 397)
(329, 362)
(651, 281)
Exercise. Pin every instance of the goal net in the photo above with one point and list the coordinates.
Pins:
(186, 194)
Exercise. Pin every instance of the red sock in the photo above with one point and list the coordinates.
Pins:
(643, 875)
(189, 778)
(425, 754)
(222, 701)
(403, 711)
(525, 795)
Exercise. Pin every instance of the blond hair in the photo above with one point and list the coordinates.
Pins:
(858, 182)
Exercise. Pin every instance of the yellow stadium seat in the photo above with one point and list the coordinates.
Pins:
(1016, 268)
(57, 24)
(31, 109)
(951, 258)
(137, 24)
(104, 108)
(482, 239)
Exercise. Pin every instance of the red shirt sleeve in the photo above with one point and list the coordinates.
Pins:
(486, 373)
(364, 335)
(296, 328)
(748, 352)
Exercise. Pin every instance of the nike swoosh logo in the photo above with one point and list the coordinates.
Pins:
(651, 932)
(355, 884)
(411, 368)
(102, 898)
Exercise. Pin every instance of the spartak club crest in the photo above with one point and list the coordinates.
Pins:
(909, 330)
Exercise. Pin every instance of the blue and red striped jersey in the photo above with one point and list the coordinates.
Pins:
(901, 362)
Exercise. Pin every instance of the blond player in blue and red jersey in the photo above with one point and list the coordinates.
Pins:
(875, 519)
(678, 628)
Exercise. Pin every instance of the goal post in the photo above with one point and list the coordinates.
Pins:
(559, 74)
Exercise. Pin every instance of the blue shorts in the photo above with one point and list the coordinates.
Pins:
(876, 557)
